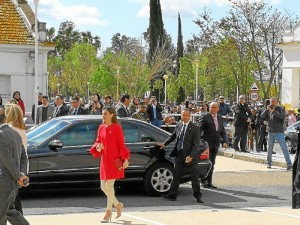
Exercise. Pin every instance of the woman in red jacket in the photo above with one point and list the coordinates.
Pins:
(17, 97)
(110, 146)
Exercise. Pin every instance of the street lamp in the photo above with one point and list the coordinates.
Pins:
(197, 61)
(36, 67)
(118, 73)
(165, 78)
(88, 91)
(58, 84)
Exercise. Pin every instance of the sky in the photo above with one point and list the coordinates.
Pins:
(105, 18)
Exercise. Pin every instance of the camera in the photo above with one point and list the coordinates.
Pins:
(271, 107)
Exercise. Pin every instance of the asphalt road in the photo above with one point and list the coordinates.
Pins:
(240, 185)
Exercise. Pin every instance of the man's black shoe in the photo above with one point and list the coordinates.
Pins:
(273, 152)
(289, 168)
(199, 200)
(209, 186)
(171, 198)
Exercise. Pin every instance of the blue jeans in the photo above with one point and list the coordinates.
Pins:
(280, 138)
(156, 122)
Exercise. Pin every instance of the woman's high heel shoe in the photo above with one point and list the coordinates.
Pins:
(107, 217)
(119, 209)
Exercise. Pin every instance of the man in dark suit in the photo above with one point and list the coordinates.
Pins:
(61, 109)
(13, 167)
(212, 130)
(186, 151)
(242, 119)
(122, 107)
(76, 109)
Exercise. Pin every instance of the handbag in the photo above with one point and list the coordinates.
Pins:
(119, 163)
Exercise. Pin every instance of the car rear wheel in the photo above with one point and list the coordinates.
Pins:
(158, 179)
(289, 146)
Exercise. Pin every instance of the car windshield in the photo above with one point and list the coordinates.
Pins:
(44, 131)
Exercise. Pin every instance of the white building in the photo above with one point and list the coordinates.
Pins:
(17, 52)
(291, 67)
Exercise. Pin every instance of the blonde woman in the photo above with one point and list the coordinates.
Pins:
(14, 118)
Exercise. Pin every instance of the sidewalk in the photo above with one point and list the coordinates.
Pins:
(257, 157)
(246, 216)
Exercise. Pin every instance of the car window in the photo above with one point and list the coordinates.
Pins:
(45, 131)
(79, 134)
(131, 132)
(147, 137)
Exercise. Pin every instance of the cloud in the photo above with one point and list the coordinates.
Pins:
(188, 8)
(79, 14)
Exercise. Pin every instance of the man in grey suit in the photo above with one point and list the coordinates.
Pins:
(186, 151)
(13, 166)
(44, 111)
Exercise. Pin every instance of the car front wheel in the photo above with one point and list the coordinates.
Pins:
(158, 179)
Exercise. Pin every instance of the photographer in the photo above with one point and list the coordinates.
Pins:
(275, 115)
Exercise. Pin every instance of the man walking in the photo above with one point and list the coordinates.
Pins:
(224, 110)
(212, 130)
(275, 116)
(186, 151)
(13, 167)
(242, 120)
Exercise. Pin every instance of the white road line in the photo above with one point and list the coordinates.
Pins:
(277, 213)
(142, 219)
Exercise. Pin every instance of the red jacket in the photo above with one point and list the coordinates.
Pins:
(112, 139)
(22, 106)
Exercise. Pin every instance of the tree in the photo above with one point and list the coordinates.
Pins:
(156, 28)
(179, 45)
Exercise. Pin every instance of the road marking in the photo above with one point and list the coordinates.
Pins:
(142, 219)
(277, 213)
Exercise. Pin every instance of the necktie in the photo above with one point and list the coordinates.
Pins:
(154, 113)
(216, 122)
(75, 112)
(181, 138)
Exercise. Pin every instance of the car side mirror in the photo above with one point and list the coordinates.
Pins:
(55, 144)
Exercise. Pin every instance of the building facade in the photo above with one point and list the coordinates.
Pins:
(17, 39)
(291, 67)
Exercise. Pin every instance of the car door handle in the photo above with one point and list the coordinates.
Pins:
(88, 150)
(148, 147)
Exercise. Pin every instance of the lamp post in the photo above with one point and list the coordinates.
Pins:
(118, 73)
(197, 61)
(58, 84)
(36, 53)
(165, 78)
(88, 91)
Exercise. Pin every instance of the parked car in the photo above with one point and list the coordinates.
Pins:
(58, 154)
(291, 137)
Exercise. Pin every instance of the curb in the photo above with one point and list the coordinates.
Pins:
(250, 158)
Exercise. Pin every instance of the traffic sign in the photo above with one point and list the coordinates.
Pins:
(254, 96)
(254, 87)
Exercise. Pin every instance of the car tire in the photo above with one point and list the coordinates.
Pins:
(289, 146)
(158, 179)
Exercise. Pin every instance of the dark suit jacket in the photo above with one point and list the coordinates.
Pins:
(63, 111)
(158, 112)
(241, 114)
(122, 111)
(191, 141)
(13, 158)
(80, 111)
(208, 130)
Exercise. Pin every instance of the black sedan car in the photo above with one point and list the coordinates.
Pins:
(291, 137)
(58, 154)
